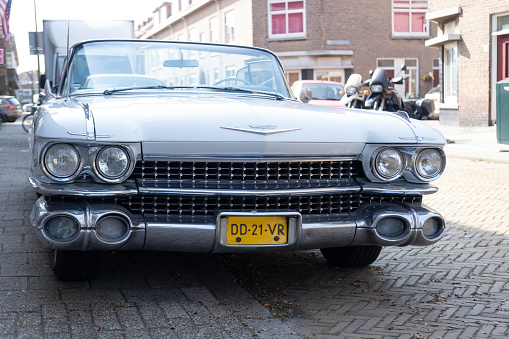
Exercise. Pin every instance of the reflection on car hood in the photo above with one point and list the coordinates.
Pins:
(232, 124)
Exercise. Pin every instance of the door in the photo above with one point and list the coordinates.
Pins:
(503, 57)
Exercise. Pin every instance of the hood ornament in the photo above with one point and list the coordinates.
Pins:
(262, 129)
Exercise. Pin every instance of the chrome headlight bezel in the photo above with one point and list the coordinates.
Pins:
(116, 177)
(61, 177)
(439, 154)
(385, 153)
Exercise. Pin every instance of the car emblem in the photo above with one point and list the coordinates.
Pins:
(262, 129)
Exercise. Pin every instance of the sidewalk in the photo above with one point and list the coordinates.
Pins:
(475, 143)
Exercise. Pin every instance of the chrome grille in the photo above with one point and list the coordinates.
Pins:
(195, 170)
(209, 206)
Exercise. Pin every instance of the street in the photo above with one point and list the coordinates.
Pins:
(458, 288)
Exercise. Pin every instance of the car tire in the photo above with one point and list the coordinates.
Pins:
(351, 256)
(75, 265)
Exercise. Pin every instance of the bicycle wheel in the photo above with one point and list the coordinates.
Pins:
(27, 122)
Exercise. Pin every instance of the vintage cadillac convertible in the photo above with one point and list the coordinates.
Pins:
(176, 146)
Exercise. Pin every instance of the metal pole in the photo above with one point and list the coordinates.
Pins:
(37, 51)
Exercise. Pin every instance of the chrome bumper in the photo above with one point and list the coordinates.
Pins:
(207, 234)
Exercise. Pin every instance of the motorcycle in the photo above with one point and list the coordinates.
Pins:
(384, 97)
(353, 97)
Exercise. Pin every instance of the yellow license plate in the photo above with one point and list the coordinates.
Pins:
(266, 230)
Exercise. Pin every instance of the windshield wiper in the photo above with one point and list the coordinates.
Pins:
(277, 96)
(115, 90)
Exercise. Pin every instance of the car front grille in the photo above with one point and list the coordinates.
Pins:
(263, 170)
(201, 178)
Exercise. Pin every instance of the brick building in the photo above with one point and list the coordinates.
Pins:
(473, 43)
(8, 68)
(315, 39)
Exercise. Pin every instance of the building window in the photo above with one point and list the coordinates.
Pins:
(214, 32)
(287, 19)
(330, 75)
(229, 27)
(409, 18)
(451, 72)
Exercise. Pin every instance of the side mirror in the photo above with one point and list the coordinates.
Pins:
(403, 67)
(371, 72)
(305, 95)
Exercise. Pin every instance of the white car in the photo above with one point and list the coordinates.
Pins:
(434, 94)
(220, 157)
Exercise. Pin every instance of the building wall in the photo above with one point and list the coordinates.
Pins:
(180, 23)
(476, 76)
(367, 29)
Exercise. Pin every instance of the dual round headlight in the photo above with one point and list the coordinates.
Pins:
(63, 161)
(112, 162)
(389, 164)
(429, 163)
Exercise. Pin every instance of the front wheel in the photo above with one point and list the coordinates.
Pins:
(75, 265)
(352, 256)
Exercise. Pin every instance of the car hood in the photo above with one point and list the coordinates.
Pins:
(228, 124)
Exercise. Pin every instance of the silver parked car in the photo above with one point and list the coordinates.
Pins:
(10, 108)
(217, 155)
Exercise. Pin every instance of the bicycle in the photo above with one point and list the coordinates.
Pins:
(27, 120)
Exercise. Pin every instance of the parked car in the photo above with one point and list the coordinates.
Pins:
(222, 158)
(10, 108)
(323, 93)
(434, 94)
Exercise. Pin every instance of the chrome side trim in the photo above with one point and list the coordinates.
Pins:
(396, 187)
(223, 158)
(84, 189)
(214, 188)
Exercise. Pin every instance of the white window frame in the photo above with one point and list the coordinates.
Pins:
(451, 74)
(214, 30)
(286, 12)
(410, 11)
(229, 27)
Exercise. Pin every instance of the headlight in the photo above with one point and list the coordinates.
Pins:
(61, 160)
(377, 88)
(389, 164)
(351, 90)
(112, 162)
(429, 163)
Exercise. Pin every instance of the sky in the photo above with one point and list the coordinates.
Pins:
(22, 19)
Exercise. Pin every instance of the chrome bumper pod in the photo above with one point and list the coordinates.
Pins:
(387, 224)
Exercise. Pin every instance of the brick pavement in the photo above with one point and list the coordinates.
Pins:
(136, 294)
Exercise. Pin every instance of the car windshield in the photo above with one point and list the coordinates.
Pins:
(140, 65)
(13, 101)
(323, 91)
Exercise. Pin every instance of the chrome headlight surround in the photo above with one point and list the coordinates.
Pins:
(428, 164)
(58, 154)
(113, 163)
(388, 163)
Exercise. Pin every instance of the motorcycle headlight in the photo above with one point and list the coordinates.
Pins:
(389, 164)
(376, 88)
(351, 90)
(112, 162)
(61, 161)
(429, 163)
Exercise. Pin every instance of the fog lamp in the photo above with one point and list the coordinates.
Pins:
(112, 227)
(61, 228)
(390, 227)
(432, 228)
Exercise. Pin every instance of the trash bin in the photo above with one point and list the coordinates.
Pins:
(503, 111)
